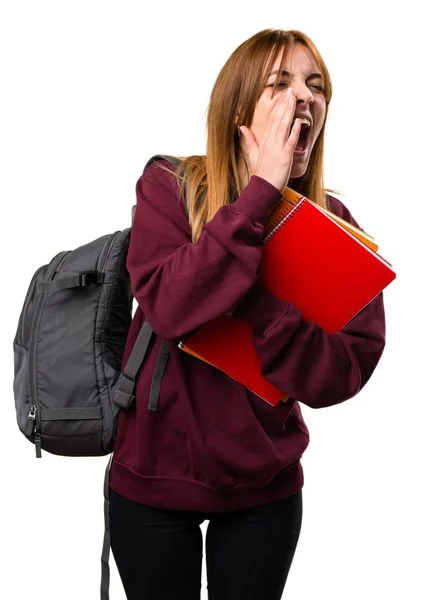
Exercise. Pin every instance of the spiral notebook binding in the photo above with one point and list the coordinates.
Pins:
(287, 217)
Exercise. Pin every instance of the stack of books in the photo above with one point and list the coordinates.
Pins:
(326, 267)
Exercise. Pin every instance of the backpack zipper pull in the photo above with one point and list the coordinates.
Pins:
(31, 419)
(37, 440)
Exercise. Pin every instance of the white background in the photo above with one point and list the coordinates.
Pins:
(90, 90)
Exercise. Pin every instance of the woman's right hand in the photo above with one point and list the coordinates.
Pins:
(272, 159)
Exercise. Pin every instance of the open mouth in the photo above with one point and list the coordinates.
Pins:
(303, 140)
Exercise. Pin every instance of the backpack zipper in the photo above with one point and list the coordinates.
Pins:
(30, 430)
(106, 251)
(27, 302)
(34, 417)
(31, 420)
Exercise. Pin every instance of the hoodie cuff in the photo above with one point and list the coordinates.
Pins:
(257, 199)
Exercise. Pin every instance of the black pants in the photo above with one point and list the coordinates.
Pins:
(248, 551)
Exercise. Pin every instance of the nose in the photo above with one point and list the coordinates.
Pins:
(302, 93)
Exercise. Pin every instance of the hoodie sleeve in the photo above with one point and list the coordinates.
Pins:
(179, 285)
(303, 360)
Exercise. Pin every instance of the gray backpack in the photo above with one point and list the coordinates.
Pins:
(68, 349)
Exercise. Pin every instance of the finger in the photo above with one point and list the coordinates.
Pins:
(250, 140)
(283, 111)
(279, 106)
(294, 135)
(288, 115)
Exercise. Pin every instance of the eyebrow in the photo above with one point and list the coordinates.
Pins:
(288, 74)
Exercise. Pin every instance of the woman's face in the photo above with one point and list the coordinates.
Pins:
(302, 74)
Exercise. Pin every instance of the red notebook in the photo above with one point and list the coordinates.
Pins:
(310, 260)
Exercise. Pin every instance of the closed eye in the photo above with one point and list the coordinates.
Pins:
(282, 83)
(271, 85)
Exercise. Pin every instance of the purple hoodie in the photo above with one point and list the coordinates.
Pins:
(213, 445)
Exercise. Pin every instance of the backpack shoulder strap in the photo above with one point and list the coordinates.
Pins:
(174, 161)
(105, 555)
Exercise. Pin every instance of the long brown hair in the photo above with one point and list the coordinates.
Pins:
(211, 181)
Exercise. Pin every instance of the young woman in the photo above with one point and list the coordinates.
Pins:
(214, 451)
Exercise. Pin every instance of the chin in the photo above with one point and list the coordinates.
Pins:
(298, 171)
